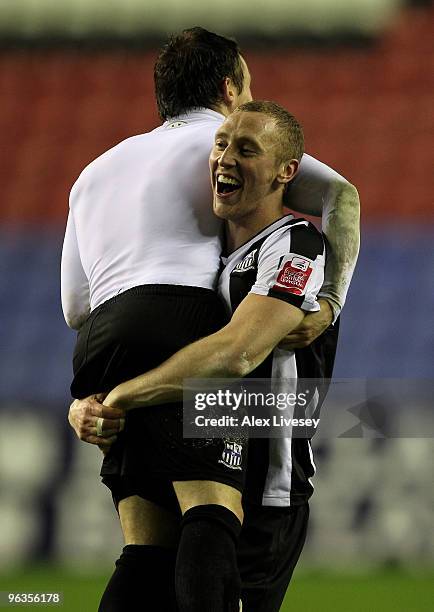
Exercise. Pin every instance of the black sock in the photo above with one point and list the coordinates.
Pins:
(206, 575)
(144, 579)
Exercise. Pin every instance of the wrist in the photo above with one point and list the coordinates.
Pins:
(118, 397)
(326, 309)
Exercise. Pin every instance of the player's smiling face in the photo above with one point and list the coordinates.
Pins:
(244, 164)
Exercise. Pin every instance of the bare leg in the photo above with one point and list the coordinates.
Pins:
(143, 522)
(192, 493)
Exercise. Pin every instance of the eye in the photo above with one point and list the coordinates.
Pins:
(245, 151)
(220, 145)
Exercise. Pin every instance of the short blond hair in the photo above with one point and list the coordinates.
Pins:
(291, 138)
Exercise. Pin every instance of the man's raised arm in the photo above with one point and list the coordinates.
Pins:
(74, 283)
(318, 190)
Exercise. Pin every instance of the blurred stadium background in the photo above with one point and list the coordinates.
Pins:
(76, 78)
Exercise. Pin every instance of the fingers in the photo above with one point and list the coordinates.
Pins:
(109, 427)
(290, 346)
(89, 435)
(295, 340)
(100, 428)
(91, 405)
(101, 442)
(93, 422)
(312, 326)
(106, 412)
(106, 427)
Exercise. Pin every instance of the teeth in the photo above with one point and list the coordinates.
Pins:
(227, 179)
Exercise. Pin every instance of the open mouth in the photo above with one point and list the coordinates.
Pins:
(226, 185)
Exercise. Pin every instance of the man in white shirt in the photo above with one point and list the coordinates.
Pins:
(109, 251)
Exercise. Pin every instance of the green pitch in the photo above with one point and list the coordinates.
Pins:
(391, 591)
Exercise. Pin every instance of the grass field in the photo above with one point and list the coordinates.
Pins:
(392, 591)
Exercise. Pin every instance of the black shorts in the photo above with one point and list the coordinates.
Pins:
(269, 547)
(126, 336)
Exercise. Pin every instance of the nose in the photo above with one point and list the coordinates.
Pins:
(226, 158)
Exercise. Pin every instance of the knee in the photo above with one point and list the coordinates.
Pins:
(206, 575)
(214, 514)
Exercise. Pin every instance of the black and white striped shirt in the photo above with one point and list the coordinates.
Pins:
(285, 261)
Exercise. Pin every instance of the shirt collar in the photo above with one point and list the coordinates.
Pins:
(197, 114)
(263, 232)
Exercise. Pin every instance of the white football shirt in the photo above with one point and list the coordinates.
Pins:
(141, 213)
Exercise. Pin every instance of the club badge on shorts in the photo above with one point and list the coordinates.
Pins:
(232, 455)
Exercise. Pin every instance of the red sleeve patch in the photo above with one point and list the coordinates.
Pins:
(293, 276)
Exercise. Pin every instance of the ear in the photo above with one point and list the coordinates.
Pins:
(229, 93)
(287, 171)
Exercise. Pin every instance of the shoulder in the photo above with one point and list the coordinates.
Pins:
(297, 236)
(120, 155)
(94, 165)
(306, 240)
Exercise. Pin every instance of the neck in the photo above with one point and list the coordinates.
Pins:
(222, 109)
(240, 231)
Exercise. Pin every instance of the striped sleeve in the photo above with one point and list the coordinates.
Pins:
(291, 266)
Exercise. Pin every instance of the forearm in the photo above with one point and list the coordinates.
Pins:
(212, 357)
(340, 224)
(233, 352)
(319, 190)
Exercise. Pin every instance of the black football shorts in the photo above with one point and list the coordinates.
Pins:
(127, 336)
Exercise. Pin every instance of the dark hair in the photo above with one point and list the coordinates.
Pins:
(190, 70)
(290, 139)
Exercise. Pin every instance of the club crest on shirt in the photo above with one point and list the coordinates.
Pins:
(232, 455)
(248, 263)
(176, 124)
(294, 275)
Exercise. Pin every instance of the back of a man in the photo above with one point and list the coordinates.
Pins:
(120, 221)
